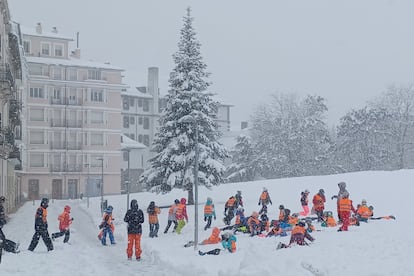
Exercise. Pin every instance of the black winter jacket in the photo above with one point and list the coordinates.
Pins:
(134, 218)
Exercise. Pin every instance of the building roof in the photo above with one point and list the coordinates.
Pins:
(49, 34)
(134, 92)
(128, 143)
(72, 62)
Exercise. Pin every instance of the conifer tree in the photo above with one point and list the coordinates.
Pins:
(190, 110)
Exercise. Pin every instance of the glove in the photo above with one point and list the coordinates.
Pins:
(224, 213)
(271, 203)
(258, 203)
(205, 218)
(71, 219)
(214, 217)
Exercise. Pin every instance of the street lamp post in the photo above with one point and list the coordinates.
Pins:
(102, 184)
(128, 182)
(196, 188)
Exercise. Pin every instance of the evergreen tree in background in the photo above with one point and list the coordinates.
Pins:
(243, 161)
(188, 106)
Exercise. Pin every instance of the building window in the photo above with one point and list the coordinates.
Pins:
(125, 104)
(73, 76)
(96, 95)
(139, 102)
(145, 105)
(140, 120)
(45, 48)
(125, 154)
(94, 75)
(57, 73)
(37, 160)
(38, 70)
(140, 138)
(146, 123)
(126, 122)
(131, 101)
(132, 136)
(58, 50)
(132, 120)
(97, 139)
(37, 115)
(97, 117)
(37, 137)
(146, 140)
(57, 93)
(26, 46)
(36, 92)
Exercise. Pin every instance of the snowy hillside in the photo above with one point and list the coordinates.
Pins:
(381, 247)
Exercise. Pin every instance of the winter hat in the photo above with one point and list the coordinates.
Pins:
(134, 204)
(264, 189)
(176, 201)
(301, 223)
(67, 208)
(45, 202)
(364, 202)
(281, 207)
(109, 209)
(183, 201)
(322, 191)
(2, 199)
(342, 185)
(306, 191)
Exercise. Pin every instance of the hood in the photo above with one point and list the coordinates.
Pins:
(209, 201)
(342, 185)
(134, 204)
(216, 231)
(183, 201)
(67, 208)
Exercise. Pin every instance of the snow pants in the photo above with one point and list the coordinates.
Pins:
(154, 229)
(305, 210)
(180, 226)
(107, 231)
(46, 239)
(134, 240)
(344, 215)
(66, 233)
(8, 245)
(169, 224)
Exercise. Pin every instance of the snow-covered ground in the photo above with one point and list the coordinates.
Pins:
(381, 247)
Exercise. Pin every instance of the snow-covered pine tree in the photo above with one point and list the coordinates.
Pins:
(243, 161)
(188, 106)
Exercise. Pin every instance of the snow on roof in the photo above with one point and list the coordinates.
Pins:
(32, 32)
(134, 92)
(128, 143)
(72, 62)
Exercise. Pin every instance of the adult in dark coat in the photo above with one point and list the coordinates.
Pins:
(41, 227)
(134, 217)
(8, 245)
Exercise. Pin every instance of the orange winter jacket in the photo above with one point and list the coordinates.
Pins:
(364, 212)
(330, 222)
(298, 230)
(214, 237)
(293, 220)
(318, 202)
(345, 205)
(64, 219)
(153, 218)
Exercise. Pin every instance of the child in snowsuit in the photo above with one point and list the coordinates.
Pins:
(107, 226)
(229, 208)
(319, 204)
(364, 213)
(228, 241)
(181, 215)
(171, 216)
(154, 225)
(284, 218)
(264, 223)
(64, 222)
(309, 227)
(41, 227)
(298, 236)
(134, 217)
(342, 191)
(254, 224)
(328, 220)
(209, 212)
(8, 245)
(345, 208)
(214, 237)
(276, 230)
(264, 200)
(239, 200)
(304, 202)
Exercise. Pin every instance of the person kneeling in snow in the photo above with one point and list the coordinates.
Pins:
(298, 236)
(214, 237)
(228, 241)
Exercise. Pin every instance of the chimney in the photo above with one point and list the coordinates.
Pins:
(76, 53)
(54, 30)
(244, 124)
(39, 28)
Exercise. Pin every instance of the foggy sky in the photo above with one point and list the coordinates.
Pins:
(346, 51)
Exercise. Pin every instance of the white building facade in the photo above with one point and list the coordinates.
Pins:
(72, 115)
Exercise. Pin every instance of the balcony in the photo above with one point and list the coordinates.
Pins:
(6, 77)
(65, 168)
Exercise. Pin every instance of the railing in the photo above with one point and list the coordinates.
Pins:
(64, 168)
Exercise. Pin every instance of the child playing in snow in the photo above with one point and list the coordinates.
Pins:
(209, 212)
(64, 222)
(107, 226)
(264, 200)
(214, 237)
(298, 236)
(181, 215)
(328, 220)
(154, 225)
(304, 202)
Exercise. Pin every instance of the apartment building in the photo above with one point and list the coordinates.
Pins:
(72, 120)
(10, 106)
(141, 110)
